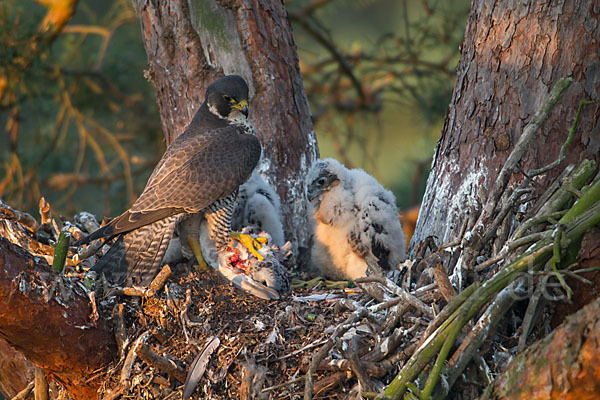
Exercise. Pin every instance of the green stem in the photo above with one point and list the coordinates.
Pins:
(590, 196)
(538, 219)
(573, 128)
(434, 375)
(60, 252)
(556, 257)
(584, 214)
(450, 308)
(582, 174)
(479, 298)
(584, 221)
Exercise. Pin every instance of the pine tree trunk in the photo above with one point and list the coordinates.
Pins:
(513, 53)
(564, 365)
(190, 43)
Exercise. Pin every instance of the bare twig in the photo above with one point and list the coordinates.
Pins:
(308, 24)
(323, 351)
(159, 281)
(48, 223)
(25, 219)
(409, 298)
(563, 150)
(486, 323)
(309, 346)
(350, 351)
(444, 283)
(130, 359)
(522, 144)
(94, 315)
(119, 327)
(386, 346)
(282, 385)
(490, 261)
(163, 364)
(41, 385)
(83, 253)
(528, 318)
(330, 382)
(22, 395)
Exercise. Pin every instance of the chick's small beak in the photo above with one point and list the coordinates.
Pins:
(311, 192)
(242, 107)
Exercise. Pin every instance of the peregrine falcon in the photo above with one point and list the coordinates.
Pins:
(355, 217)
(200, 172)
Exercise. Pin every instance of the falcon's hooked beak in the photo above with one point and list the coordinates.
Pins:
(242, 107)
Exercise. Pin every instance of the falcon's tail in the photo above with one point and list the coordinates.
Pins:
(136, 255)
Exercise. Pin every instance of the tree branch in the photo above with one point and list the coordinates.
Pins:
(31, 293)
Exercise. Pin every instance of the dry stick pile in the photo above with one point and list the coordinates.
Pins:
(418, 336)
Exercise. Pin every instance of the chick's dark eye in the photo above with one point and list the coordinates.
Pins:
(321, 181)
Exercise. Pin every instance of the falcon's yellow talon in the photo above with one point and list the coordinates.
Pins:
(252, 244)
(197, 250)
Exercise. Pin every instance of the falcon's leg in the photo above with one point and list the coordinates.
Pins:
(189, 225)
(218, 218)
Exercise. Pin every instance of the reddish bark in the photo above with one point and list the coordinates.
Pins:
(15, 371)
(45, 319)
(513, 53)
(564, 365)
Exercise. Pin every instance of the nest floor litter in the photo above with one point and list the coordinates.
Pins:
(265, 347)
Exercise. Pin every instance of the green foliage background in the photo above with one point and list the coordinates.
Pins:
(79, 123)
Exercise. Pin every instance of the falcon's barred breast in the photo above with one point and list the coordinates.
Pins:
(200, 172)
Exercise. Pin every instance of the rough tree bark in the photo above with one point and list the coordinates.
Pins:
(565, 364)
(15, 371)
(49, 323)
(192, 42)
(513, 53)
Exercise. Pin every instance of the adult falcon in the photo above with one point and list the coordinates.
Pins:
(200, 172)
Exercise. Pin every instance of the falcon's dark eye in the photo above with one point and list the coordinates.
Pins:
(229, 98)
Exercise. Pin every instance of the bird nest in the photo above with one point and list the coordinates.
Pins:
(320, 336)
(253, 348)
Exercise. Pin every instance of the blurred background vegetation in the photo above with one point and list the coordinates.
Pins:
(80, 126)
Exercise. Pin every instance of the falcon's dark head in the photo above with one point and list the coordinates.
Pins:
(227, 98)
(323, 175)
